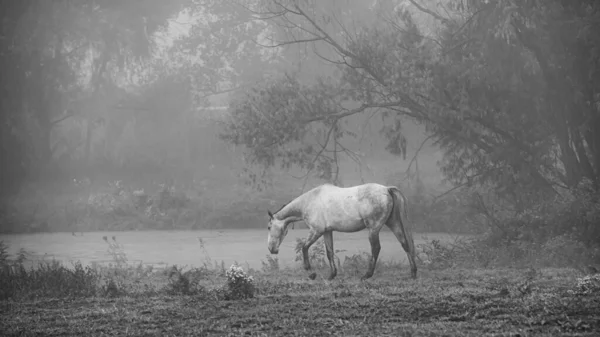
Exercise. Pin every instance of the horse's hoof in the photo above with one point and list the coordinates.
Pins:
(331, 277)
(366, 277)
(312, 276)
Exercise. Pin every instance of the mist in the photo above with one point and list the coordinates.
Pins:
(147, 144)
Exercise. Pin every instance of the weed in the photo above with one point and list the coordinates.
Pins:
(184, 283)
(116, 251)
(111, 289)
(316, 253)
(272, 264)
(49, 279)
(357, 263)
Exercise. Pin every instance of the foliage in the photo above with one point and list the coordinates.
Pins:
(57, 57)
(501, 87)
(184, 283)
(455, 302)
(554, 299)
(274, 114)
(588, 285)
(48, 279)
(240, 285)
(316, 253)
(116, 251)
(431, 210)
(571, 214)
(358, 263)
(120, 205)
(479, 252)
(272, 264)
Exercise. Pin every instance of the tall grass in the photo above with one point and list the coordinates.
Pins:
(49, 279)
(52, 279)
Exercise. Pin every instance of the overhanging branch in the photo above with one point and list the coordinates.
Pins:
(432, 13)
(351, 112)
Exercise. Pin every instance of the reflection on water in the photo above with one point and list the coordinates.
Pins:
(183, 247)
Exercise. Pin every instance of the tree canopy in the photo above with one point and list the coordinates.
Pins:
(507, 89)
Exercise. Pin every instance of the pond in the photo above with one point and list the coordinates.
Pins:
(194, 248)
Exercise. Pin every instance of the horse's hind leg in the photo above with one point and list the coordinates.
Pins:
(313, 236)
(328, 238)
(397, 230)
(375, 249)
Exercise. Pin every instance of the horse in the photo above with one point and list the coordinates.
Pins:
(327, 208)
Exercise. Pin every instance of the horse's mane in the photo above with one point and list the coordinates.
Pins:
(280, 208)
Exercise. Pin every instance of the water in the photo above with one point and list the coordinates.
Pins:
(247, 247)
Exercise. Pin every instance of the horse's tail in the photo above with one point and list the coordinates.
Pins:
(399, 216)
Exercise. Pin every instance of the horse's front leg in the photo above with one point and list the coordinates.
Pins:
(375, 249)
(313, 236)
(328, 238)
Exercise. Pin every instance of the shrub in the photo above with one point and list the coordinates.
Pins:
(316, 254)
(565, 251)
(357, 263)
(588, 285)
(436, 255)
(239, 284)
(184, 283)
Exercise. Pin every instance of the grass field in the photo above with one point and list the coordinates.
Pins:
(454, 294)
(451, 302)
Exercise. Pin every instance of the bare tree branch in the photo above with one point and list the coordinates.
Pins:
(351, 112)
(280, 44)
(414, 157)
(68, 115)
(311, 166)
(427, 11)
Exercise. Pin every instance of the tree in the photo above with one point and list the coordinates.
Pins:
(48, 49)
(496, 84)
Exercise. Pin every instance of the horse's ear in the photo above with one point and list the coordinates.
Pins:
(270, 214)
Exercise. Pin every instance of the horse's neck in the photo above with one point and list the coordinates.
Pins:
(294, 211)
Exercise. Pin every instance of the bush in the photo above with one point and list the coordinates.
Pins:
(239, 284)
(588, 285)
(562, 251)
(566, 251)
(184, 283)
(574, 213)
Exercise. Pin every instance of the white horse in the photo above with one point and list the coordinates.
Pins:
(328, 208)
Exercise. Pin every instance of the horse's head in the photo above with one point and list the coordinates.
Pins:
(277, 231)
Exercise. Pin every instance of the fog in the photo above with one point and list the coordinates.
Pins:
(161, 163)
(152, 112)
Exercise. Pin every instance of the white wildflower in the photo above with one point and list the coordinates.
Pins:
(588, 285)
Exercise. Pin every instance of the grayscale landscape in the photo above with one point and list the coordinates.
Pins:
(166, 165)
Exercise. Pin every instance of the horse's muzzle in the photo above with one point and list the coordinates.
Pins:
(274, 251)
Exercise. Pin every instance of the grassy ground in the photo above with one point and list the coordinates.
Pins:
(451, 302)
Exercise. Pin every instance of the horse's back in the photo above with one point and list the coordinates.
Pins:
(352, 190)
(347, 208)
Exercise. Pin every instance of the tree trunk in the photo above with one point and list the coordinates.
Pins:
(592, 138)
(96, 86)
